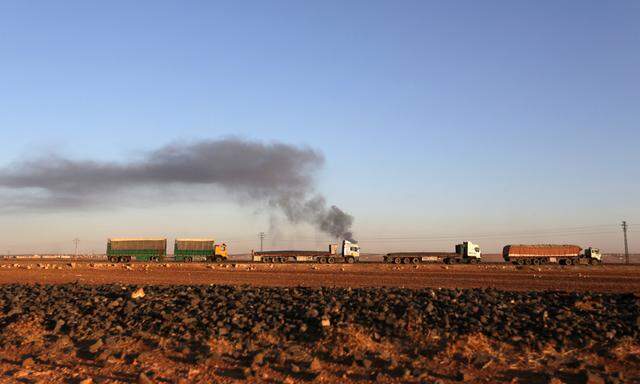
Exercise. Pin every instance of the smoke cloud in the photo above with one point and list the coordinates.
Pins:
(279, 174)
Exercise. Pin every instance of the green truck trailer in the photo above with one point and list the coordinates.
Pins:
(199, 250)
(125, 250)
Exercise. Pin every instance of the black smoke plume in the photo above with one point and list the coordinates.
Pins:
(280, 174)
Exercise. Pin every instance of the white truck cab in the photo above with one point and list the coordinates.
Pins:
(350, 249)
(468, 249)
(593, 254)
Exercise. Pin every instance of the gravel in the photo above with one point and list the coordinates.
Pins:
(184, 319)
(307, 314)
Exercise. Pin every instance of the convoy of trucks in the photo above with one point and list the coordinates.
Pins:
(467, 253)
(536, 254)
(206, 250)
(185, 250)
(349, 253)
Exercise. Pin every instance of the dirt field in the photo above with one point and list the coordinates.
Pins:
(272, 323)
(74, 333)
(613, 278)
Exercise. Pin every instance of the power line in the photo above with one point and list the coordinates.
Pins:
(476, 235)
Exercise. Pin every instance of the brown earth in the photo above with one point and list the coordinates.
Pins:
(30, 358)
(32, 354)
(606, 278)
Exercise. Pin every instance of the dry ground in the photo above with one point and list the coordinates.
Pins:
(606, 278)
(32, 353)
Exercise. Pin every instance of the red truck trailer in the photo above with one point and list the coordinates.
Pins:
(536, 254)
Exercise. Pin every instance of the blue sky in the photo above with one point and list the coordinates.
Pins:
(436, 118)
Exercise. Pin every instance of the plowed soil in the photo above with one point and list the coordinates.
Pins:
(606, 278)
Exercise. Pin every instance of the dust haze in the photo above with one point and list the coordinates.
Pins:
(278, 174)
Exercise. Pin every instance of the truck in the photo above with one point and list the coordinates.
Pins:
(189, 250)
(465, 253)
(125, 250)
(536, 254)
(350, 253)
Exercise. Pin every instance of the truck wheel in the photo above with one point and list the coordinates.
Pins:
(536, 261)
(351, 260)
(218, 259)
(415, 260)
(397, 260)
(331, 260)
(113, 259)
(322, 260)
(188, 259)
(520, 262)
(406, 260)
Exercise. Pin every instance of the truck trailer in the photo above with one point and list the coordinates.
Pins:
(350, 253)
(189, 250)
(535, 254)
(125, 250)
(465, 253)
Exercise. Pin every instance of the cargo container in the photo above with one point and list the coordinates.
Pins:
(466, 253)
(199, 250)
(535, 254)
(126, 250)
(350, 253)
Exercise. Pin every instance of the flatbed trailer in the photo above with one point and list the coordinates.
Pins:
(466, 253)
(427, 257)
(350, 253)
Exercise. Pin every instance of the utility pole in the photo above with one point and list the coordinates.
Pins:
(626, 245)
(76, 241)
(261, 241)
